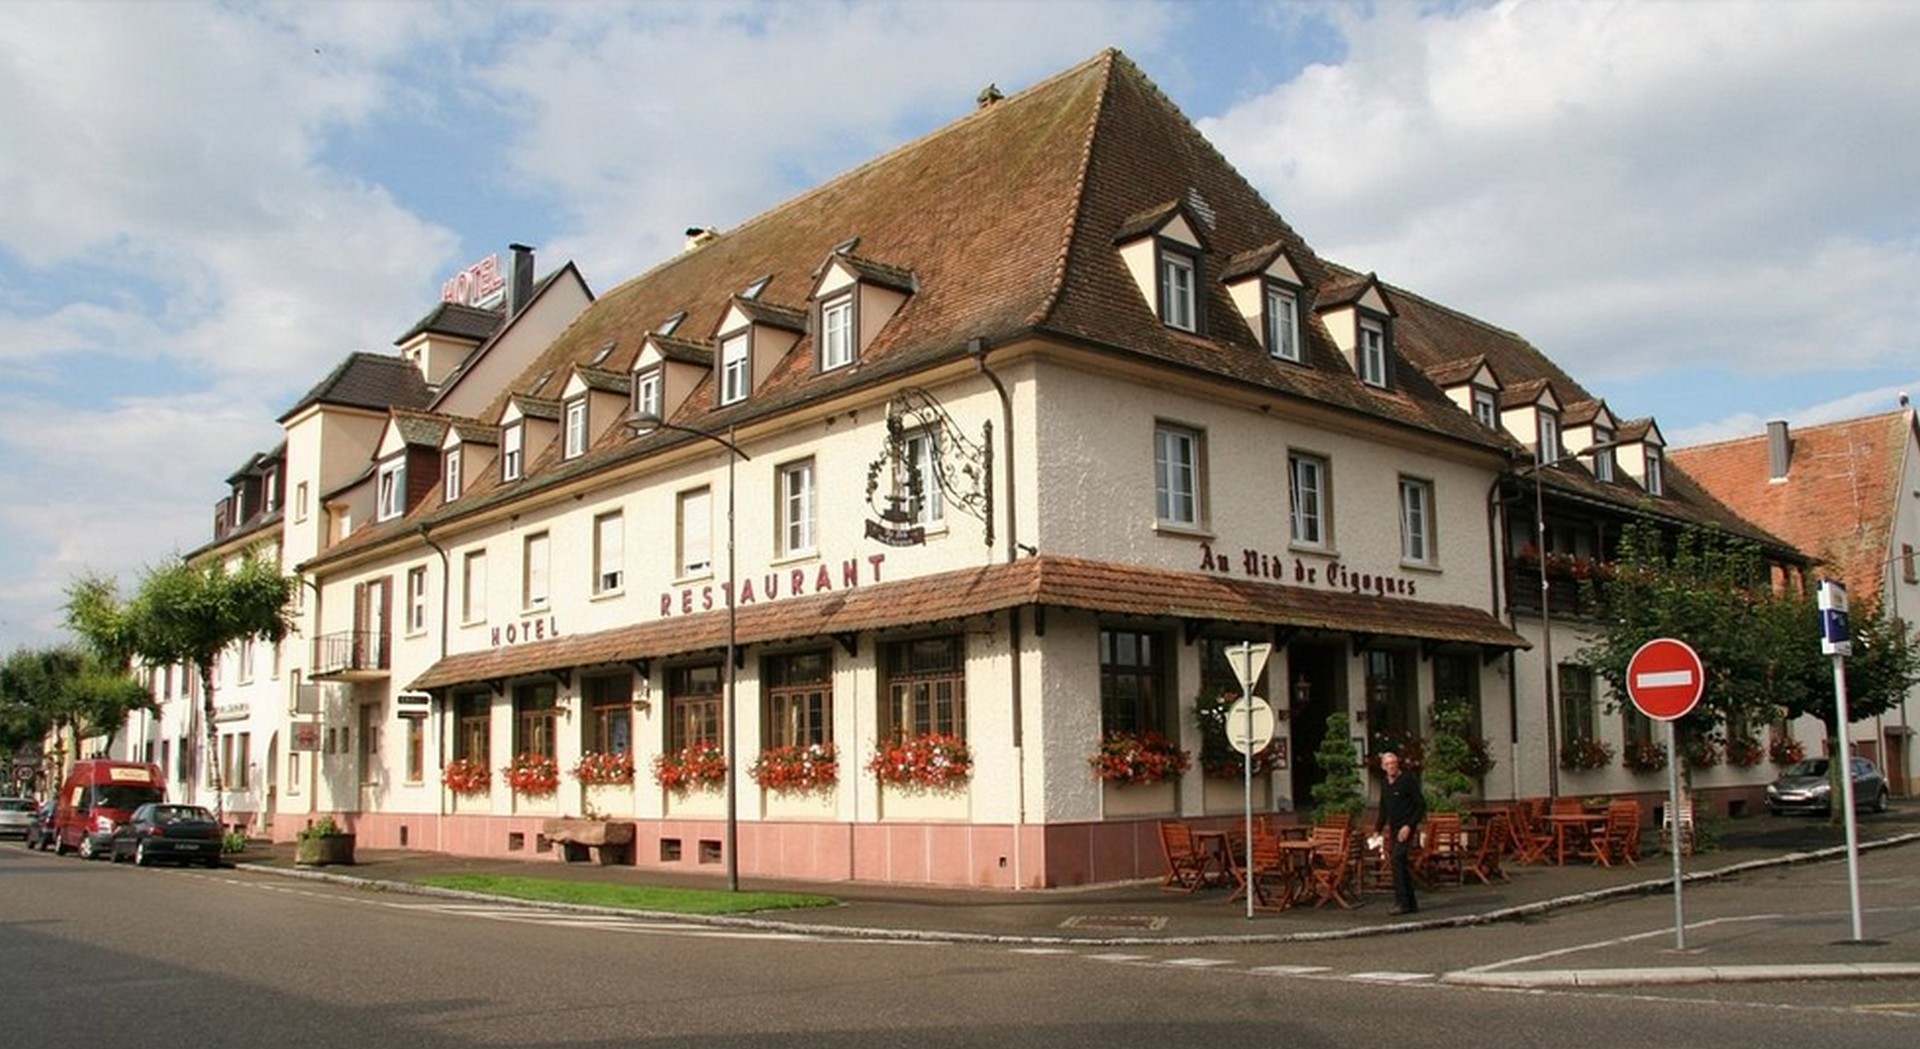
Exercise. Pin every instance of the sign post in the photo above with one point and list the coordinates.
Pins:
(1254, 719)
(1665, 680)
(1836, 640)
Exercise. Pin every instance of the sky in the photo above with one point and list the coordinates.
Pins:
(1705, 211)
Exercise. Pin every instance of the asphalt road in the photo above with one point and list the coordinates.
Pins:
(97, 954)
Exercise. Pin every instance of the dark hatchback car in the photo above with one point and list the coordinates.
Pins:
(159, 831)
(1803, 787)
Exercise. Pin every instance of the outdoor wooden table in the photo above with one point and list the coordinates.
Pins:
(1213, 844)
(1573, 823)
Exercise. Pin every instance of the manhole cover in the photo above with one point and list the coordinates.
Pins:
(1149, 922)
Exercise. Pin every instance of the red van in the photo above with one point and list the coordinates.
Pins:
(97, 796)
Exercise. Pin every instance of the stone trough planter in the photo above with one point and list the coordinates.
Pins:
(608, 841)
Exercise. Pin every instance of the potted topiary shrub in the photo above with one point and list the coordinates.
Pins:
(323, 843)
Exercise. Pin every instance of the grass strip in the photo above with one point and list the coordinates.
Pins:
(627, 897)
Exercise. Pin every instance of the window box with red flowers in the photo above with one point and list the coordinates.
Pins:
(533, 775)
(1701, 752)
(468, 778)
(1642, 755)
(1584, 753)
(1785, 750)
(604, 770)
(934, 761)
(797, 768)
(1138, 757)
(1745, 752)
(695, 767)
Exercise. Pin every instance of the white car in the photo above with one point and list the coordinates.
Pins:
(16, 815)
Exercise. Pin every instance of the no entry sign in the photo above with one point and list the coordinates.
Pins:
(1665, 678)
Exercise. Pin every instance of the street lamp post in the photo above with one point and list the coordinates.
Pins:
(643, 423)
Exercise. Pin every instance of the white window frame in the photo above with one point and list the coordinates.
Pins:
(512, 450)
(576, 427)
(393, 489)
(1179, 475)
(609, 552)
(535, 561)
(1309, 522)
(928, 507)
(1416, 521)
(648, 390)
(1547, 438)
(1486, 407)
(1656, 477)
(1179, 283)
(1602, 457)
(450, 474)
(473, 587)
(693, 521)
(797, 508)
(300, 502)
(735, 362)
(417, 599)
(1370, 355)
(1283, 323)
(836, 332)
(270, 491)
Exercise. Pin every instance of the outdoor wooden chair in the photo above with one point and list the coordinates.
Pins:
(1438, 856)
(1187, 865)
(1484, 860)
(1265, 872)
(1614, 843)
(1529, 832)
(1330, 869)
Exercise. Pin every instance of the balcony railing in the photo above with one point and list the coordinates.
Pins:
(1564, 591)
(352, 653)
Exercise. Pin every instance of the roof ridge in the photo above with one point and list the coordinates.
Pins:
(1062, 261)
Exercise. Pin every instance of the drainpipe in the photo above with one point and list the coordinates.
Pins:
(978, 347)
(440, 721)
(1496, 533)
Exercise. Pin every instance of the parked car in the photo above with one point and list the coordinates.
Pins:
(98, 795)
(40, 831)
(16, 817)
(159, 831)
(1803, 787)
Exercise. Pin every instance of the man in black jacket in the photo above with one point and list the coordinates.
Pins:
(1402, 808)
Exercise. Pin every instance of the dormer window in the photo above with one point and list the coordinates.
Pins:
(1370, 360)
(1283, 323)
(575, 428)
(1656, 479)
(734, 372)
(649, 394)
(1178, 283)
(393, 489)
(1486, 409)
(270, 492)
(1603, 457)
(836, 333)
(1548, 448)
(512, 445)
(450, 475)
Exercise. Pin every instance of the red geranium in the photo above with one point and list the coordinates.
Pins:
(595, 768)
(468, 777)
(797, 768)
(534, 775)
(932, 760)
(1138, 757)
(702, 764)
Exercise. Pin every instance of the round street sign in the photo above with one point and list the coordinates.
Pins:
(1237, 733)
(1665, 678)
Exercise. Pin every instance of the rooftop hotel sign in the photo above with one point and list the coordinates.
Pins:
(478, 285)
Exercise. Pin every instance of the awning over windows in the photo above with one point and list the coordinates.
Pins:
(1058, 582)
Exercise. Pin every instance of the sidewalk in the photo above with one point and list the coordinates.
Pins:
(1140, 913)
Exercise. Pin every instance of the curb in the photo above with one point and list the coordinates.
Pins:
(1682, 975)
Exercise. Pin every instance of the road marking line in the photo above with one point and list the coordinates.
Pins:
(1393, 977)
(1198, 963)
(1291, 970)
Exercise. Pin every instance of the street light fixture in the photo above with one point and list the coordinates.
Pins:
(643, 423)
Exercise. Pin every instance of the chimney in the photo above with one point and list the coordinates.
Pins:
(698, 236)
(988, 96)
(1779, 450)
(522, 288)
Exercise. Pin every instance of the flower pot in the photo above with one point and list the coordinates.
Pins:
(322, 850)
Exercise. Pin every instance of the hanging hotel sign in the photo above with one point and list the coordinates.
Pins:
(927, 466)
(1333, 575)
(478, 285)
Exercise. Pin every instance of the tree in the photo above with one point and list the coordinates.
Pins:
(1339, 790)
(64, 690)
(187, 614)
(1443, 776)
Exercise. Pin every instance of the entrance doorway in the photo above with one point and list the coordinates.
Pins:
(1316, 687)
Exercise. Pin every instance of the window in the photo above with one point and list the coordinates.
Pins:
(270, 492)
(1416, 521)
(609, 552)
(929, 502)
(300, 501)
(1603, 458)
(534, 716)
(1283, 324)
(1133, 682)
(694, 708)
(367, 756)
(799, 690)
(696, 532)
(533, 575)
(576, 427)
(1548, 447)
(1372, 356)
(1216, 674)
(836, 333)
(1485, 408)
(648, 394)
(1577, 713)
(733, 369)
(1656, 482)
(1177, 284)
(393, 489)
(1906, 564)
(1307, 499)
(416, 600)
(473, 586)
(1393, 701)
(796, 507)
(416, 729)
(473, 724)
(246, 651)
(450, 475)
(926, 687)
(1176, 476)
(510, 450)
(608, 699)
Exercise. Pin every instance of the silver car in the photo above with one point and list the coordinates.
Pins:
(16, 815)
(1804, 787)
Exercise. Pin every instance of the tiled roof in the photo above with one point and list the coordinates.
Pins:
(792, 318)
(459, 320)
(368, 380)
(1838, 500)
(1454, 373)
(872, 272)
(472, 432)
(421, 428)
(1045, 581)
(605, 381)
(685, 351)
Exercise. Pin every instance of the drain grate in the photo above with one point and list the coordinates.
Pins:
(1148, 922)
